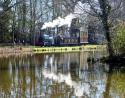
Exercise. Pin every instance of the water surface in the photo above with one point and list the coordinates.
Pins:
(60, 75)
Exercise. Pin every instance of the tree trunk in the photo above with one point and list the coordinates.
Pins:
(104, 6)
(24, 20)
(31, 22)
(108, 38)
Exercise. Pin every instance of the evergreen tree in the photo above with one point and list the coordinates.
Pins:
(5, 17)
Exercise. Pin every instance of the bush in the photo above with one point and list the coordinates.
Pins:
(119, 39)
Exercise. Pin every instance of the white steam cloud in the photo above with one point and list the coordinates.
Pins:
(60, 22)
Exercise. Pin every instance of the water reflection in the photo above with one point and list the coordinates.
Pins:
(66, 75)
(82, 77)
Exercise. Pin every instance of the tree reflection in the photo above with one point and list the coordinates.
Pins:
(64, 75)
(115, 86)
(82, 77)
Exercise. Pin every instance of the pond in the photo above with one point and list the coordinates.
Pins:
(59, 75)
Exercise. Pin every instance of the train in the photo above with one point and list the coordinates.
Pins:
(71, 38)
(59, 40)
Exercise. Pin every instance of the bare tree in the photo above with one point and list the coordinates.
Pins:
(104, 11)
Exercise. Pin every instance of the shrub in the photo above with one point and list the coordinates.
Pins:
(119, 39)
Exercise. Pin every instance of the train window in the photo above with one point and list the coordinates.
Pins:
(69, 40)
(72, 40)
(65, 41)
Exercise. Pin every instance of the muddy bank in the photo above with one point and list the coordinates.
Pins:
(7, 51)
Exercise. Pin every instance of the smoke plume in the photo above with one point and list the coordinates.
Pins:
(60, 22)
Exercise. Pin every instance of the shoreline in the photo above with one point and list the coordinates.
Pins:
(22, 50)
